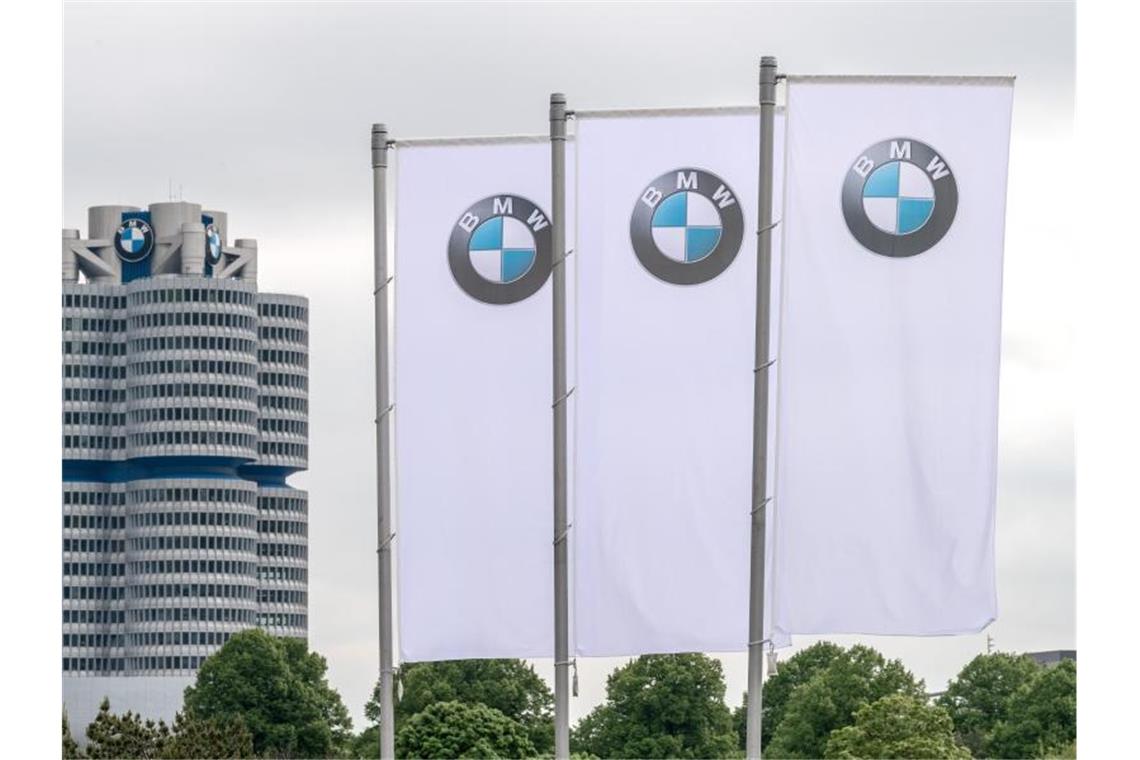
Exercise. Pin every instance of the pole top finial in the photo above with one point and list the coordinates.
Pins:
(379, 127)
(557, 98)
(767, 60)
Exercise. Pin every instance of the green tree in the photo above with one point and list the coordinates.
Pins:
(124, 736)
(797, 670)
(978, 698)
(457, 729)
(509, 686)
(366, 745)
(70, 746)
(898, 725)
(829, 698)
(214, 737)
(1041, 716)
(279, 690)
(661, 706)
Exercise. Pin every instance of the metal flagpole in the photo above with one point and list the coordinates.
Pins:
(383, 434)
(561, 569)
(756, 635)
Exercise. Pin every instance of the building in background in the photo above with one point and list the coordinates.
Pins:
(1053, 657)
(185, 411)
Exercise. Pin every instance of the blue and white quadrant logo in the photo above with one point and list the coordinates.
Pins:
(134, 240)
(686, 226)
(213, 246)
(899, 198)
(500, 249)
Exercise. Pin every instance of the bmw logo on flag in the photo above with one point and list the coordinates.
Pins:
(686, 226)
(899, 198)
(500, 249)
(134, 240)
(213, 246)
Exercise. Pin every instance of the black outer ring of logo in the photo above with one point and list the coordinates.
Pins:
(148, 241)
(670, 270)
(210, 257)
(921, 240)
(471, 282)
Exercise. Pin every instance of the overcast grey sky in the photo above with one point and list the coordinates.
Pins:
(263, 110)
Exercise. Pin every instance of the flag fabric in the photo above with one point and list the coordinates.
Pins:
(666, 257)
(473, 427)
(890, 333)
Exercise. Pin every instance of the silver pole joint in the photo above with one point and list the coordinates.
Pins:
(561, 399)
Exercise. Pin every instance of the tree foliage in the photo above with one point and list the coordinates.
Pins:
(458, 729)
(898, 725)
(70, 746)
(509, 686)
(124, 736)
(1040, 717)
(213, 737)
(279, 690)
(832, 687)
(977, 699)
(661, 706)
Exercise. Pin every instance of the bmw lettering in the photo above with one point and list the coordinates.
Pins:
(899, 198)
(500, 249)
(134, 240)
(686, 226)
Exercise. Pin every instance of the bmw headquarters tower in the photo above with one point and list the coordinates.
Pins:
(185, 411)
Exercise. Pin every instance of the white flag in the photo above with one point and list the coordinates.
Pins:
(666, 312)
(890, 343)
(473, 393)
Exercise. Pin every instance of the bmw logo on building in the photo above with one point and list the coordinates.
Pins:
(899, 198)
(134, 240)
(500, 249)
(213, 246)
(686, 226)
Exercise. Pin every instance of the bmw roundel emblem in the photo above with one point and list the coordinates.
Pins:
(213, 246)
(500, 249)
(899, 197)
(134, 240)
(686, 226)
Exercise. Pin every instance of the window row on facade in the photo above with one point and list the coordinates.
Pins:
(94, 418)
(283, 403)
(181, 494)
(95, 371)
(276, 425)
(192, 295)
(192, 438)
(192, 343)
(93, 348)
(199, 614)
(94, 617)
(93, 301)
(94, 593)
(93, 324)
(283, 334)
(281, 596)
(172, 543)
(281, 356)
(283, 310)
(195, 519)
(95, 498)
(267, 573)
(197, 366)
(279, 449)
(294, 551)
(94, 522)
(100, 545)
(193, 414)
(283, 526)
(93, 664)
(101, 442)
(180, 590)
(281, 620)
(193, 319)
(283, 380)
(94, 569)
(283, 504)
(100, 395)
(93, 640)
(192, 390)
(188, 566)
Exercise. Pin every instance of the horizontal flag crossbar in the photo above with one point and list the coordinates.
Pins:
(415, 142)
(929, 79)
(624, 113)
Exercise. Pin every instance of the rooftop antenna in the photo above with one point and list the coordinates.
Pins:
(989, 644)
